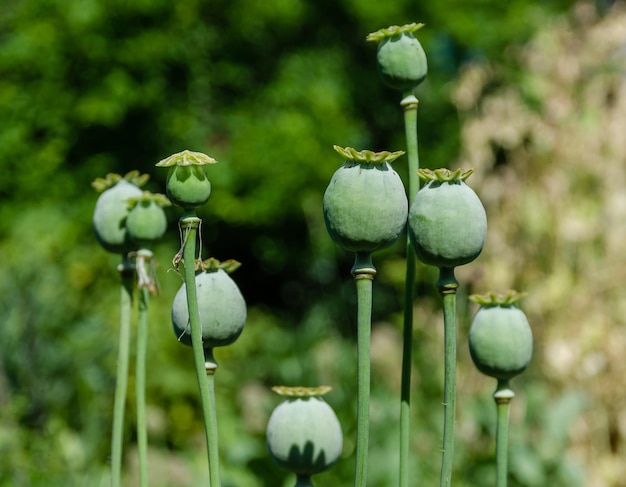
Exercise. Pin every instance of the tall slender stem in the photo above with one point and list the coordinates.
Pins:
(190, 223)
(121, 382)
(210, 366)
(448, 285)
(140, 385)
(363, 272)
(409, 104)
(304, 481)
(407, 364)
(502, 396)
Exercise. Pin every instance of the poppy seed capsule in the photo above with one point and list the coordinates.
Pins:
(110, 214)
(187, 183)
(188, 186)
(365, 204)
(447, 221)
(500, 338)
(146, 221)
(221, 307)
(401, 60)
(303, 433)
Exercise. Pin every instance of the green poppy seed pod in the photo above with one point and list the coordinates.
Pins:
(365, 204)
(187, 183)
(221, 307)
(146, 222)
(109, 216)
(500, 338)
(303, 433)
(447, 221)
(400, 58)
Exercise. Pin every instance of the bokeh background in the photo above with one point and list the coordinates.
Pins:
(530, 94)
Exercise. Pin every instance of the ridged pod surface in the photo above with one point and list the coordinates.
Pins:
(500, 339)
(447, 221)
(110, 214)
(221, 307)
(365, 204)
(303, 433)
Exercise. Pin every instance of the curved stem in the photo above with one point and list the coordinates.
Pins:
(448, 285)
(121, 382)
(189, 223)
(363, 272)
(502, 396)
(140, 385)
(409, 104)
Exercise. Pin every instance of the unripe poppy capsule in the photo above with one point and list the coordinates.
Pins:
(303, 433)
(221, 306)
(365, 204)
(112, 209)
(447, 221)
(401, 60)
(146, 221)
(500, 338)
(187, 183)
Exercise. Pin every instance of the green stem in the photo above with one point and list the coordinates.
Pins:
(448, 285)
(190, 223)
(140, 385)
(409, 104)
(502, 396)
(304, 481)
(121, 382)
(363, 272)
(407, 352)
(210, 366)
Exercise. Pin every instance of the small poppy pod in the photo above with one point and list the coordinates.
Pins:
(187, 183)
(500, 338)
(400, 57)
(447, 221)
(221, 307)
(303, 434)
(365, 204)
(110, 214)
(146, 221)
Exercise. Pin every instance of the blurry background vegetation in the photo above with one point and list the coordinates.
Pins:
(533, 95)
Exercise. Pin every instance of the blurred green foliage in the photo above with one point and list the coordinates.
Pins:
(89, 87)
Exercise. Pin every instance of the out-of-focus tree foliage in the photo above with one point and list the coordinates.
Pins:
(89, 87)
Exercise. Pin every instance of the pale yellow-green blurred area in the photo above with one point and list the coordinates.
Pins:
(557, 212)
